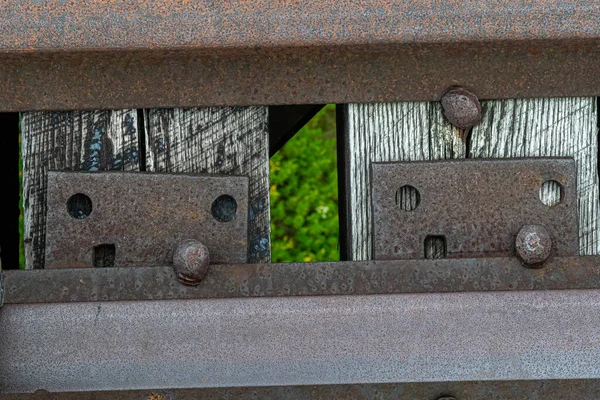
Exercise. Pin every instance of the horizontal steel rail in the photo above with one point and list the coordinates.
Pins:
(301, 279)
(171, 344)
(67, 55)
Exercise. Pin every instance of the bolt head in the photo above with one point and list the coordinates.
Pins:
(533, 245)
(190, 262)
(461, 108)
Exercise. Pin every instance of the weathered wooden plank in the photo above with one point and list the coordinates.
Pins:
(389, 132)
(548, 127)
(510, 128)
(233, 140)
(69, 141)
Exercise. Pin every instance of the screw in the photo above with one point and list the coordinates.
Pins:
(461, 108)
(533, 245)
(447, 398)
(190, 262)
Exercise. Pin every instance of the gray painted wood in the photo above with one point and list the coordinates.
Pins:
(510, 128)
(69, 141)
(548, 127)
(229, 140)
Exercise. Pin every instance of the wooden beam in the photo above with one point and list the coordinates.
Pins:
(510, 128)
(548, 127)
(70, 141)
(388, 132)
(230, 140)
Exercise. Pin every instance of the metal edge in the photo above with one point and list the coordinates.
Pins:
(301, 279)
(304, 75)
(494, 390)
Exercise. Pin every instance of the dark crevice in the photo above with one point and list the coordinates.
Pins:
(468, 142)
(11, 196)
(342, 169)
(141, 126)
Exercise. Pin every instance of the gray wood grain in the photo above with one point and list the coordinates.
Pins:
(389, 132)
(69, 141)
(510, 128)
(229, 140)
(548, 127)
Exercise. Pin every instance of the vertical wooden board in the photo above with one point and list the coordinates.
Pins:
(231, 140)
(548, 127)
(69, 141)
(388, 132)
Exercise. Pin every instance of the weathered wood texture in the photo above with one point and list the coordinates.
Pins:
(548, 127)
(69, 141)
(222, 141)
(510, 128)
(389, 132)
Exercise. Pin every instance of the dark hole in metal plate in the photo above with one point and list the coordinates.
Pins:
(79, 206)
(224, 208)
(104, 256)
(476, 206)
(435, 247)
(139, 218)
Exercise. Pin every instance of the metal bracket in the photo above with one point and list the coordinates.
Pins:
(136, 219)
(472, 208)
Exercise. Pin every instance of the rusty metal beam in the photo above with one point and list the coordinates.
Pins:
(301, 279)
(66, 55)
(572, 389)
(171, 344)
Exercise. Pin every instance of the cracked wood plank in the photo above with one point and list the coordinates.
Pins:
(389, 132)
(548, 128)
(224, 140)
(69, 141)
(510, 128)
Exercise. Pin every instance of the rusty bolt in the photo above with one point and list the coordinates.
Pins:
(461, 108)
(190, 262)
(533, 245)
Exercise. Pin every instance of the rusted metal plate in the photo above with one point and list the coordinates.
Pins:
(571, 389)
(67, 55)
(301, 279)
(120, 219)
(476, 207)
(172, 344)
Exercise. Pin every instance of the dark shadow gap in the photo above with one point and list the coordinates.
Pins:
(11, 196)
(141, 126)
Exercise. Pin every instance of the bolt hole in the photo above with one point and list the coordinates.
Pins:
(408, 198)
(551, 193)
(224, 208)
(435, 247)
(79, 206)
(104, 256)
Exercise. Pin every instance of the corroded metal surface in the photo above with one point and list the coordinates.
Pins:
(121, 54)
(574, 389)
(300, 340)
(476, 206)
(190, 262)
(461, 108)
(133, 219)
(534, 245)
(302, 279)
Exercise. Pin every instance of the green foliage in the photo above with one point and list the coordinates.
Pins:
(304, 196)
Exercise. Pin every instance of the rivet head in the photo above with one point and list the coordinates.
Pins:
(191, 260)
(461, 108)
(533, 245)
